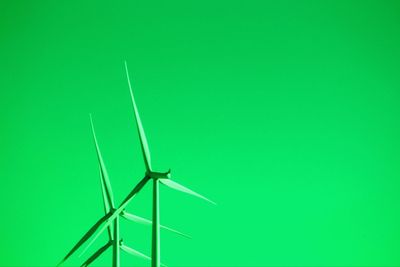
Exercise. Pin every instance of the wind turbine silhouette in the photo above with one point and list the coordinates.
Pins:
(164, 177)
(113, 230)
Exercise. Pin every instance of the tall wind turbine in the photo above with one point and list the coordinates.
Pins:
(112, 229)
(163, 177)
(150, 174)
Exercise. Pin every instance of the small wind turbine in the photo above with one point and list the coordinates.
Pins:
(113, 230)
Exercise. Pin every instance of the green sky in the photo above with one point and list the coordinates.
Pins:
(285, 113)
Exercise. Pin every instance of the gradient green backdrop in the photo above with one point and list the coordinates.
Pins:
(286, 113)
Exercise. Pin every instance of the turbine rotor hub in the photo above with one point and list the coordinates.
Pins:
(159, 175)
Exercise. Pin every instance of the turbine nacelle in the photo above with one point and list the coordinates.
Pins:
(159, 175)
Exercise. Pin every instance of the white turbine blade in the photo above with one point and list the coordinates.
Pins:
(142, 135)
(175, 231)
(106, 204)
(134, 252)
(135, 218)
(103, 169)
(87, 235)
(141, 220)
(97, 254)
(117, 212)
(176, 186)
(104, 194)
(105, 226)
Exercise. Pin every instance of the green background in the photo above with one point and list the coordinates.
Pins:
(285, 113)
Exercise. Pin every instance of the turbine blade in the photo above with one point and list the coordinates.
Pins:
(142, 135)
(117, 212)
(106, 205)
(97, 254)
(137, 219)
(176, 186)
(103, 169)
(175, 231)
(88, 234)
(135, 190)
(134, 252)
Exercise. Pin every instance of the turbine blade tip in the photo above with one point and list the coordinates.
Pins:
(91, 119)
(212, 202)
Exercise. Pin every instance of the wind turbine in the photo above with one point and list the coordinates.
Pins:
(104, 222)
(150, 174)
(113, 230)
(163, 177)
